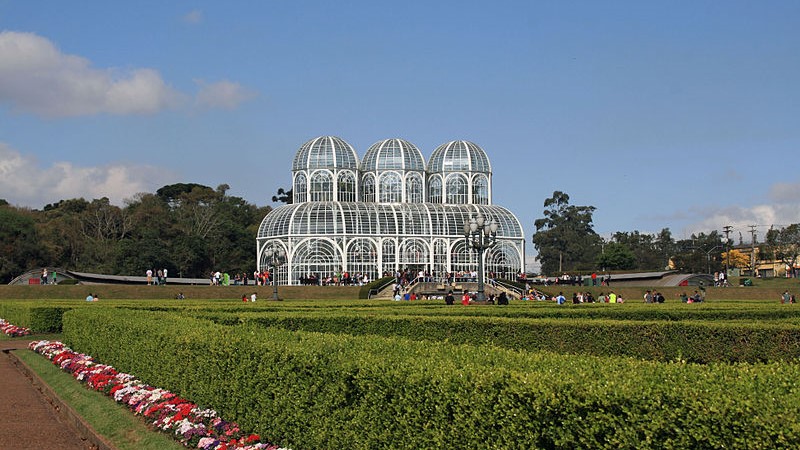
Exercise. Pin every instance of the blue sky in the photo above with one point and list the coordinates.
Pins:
(678, 114)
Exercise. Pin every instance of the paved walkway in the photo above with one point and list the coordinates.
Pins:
(27, 419)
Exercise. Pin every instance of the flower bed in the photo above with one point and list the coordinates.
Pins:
(13, 330)
(191, 425)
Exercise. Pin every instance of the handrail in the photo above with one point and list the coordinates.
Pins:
(508, 286)
(377, 290)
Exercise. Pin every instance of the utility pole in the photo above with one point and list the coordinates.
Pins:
(727, 230)
(753, 251)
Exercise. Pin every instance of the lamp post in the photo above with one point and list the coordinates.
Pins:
(708, 255)
(276, 257)
(481, 236)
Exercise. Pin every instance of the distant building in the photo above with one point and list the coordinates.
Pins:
(391, 211)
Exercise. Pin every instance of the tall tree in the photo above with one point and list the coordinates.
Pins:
(565, 238)
(284, 196)
(784, 244)
(616, 256)
(18, 242)
(700, 253)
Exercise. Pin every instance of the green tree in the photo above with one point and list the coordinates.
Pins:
(700, 253)
(785, 245)
(18, 242)
(565, 238)
(664, 247)
(616, 256)
(284, 196)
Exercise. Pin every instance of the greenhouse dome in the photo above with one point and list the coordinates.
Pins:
(387, 215)
(393, 171)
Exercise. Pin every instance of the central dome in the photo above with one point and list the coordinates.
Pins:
(393, 154)
(325, 152)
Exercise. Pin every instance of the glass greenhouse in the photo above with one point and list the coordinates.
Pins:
(388, 213)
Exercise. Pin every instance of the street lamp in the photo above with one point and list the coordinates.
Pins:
(276, 257)
(481, 236)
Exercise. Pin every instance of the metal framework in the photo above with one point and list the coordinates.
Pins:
(389, 213)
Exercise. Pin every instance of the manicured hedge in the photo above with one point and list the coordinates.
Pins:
(693, 341)
(318, 390)
(39, 318)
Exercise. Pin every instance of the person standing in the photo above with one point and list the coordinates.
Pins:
(449, 299)
(165, 276)
(43, 279)
(149, 276)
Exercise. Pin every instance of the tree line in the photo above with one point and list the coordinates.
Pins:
(566, 242)
(187, 228)
(191, 230)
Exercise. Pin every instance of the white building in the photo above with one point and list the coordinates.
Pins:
(389, 212)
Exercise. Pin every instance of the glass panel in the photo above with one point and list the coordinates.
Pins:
(456, 189)
(346, 188)
(480, 190)
(300, 188)
(414, 188)
(321, 187)
(435, 193)
(368, 188)
(391, 188)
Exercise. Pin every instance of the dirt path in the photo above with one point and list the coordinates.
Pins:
(27, 419)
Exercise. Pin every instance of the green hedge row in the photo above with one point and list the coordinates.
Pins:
(701, 342)
(38, 318)
(313, 390)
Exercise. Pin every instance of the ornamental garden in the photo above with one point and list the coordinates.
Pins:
(354, 373)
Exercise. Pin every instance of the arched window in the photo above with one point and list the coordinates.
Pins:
(463, 259)
(480, 190)
(456, 190)
(321, 187)
(300, 188)
(346, 187)
(414, 256)
(368, 188)
(362, 259)
(435, 190)
(414, 188)
(391, 188)
(315, 259)
(503, 261)
(389, 256)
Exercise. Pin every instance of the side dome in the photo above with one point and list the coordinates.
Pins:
(393, 154)
(325, 152)
(461, 156)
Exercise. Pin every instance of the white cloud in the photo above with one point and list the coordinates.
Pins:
(740, 218)
(193, 17)
(35, 77)
(223, 94)
(24, 182)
